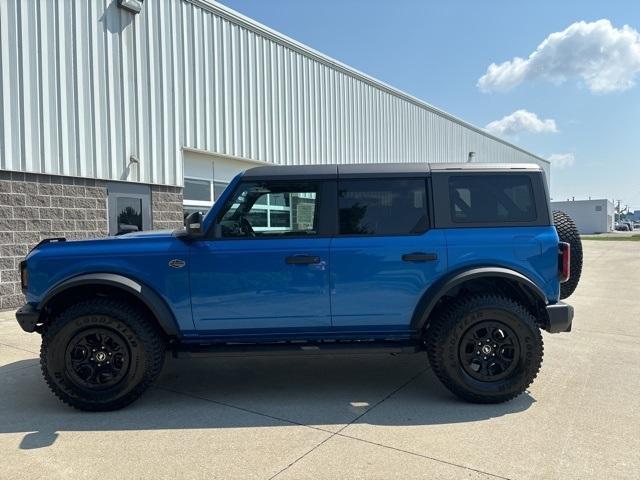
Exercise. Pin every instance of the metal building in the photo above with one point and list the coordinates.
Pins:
(590, 216)
(106, 114)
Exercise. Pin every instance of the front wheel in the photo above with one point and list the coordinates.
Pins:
(485, 348)
(101, 354)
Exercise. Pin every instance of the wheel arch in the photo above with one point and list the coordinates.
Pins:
(66, 291)
(480, 279)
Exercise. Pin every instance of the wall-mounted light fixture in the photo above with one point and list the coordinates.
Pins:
(472, 155)
(132, 169)
(133, 6)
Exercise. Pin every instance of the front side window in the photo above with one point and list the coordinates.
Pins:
(271, 209)
(491, 199)
(382, 207)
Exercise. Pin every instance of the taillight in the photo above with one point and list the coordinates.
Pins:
(564, 262)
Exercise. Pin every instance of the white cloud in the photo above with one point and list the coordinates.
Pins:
(562, 160)
(521, 121)
(606, 58)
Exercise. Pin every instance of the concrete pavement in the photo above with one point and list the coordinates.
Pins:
(370, 417)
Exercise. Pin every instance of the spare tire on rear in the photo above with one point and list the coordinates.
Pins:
(568, 232)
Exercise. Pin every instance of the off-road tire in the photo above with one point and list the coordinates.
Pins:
(568, 232)
(456, 319)
(136, 333)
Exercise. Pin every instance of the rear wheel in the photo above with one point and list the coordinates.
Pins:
(568, 232)
(101, 354)
(485, 348)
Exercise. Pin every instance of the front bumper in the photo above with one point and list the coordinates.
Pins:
(560, 317)
(28, 317)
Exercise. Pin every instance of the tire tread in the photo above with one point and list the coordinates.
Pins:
(148, 334)
(447, 318)
(568, 232)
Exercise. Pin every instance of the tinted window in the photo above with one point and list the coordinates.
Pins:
(491, 199)
(129, 214)
(382, 207)
(266, 209)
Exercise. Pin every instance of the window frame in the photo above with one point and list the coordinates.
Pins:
(137, 191)
(326, 202)
(427, 200)
(442, 203)
(199, 203)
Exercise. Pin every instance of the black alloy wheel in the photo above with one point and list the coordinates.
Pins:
(97, 358)
(489, 351)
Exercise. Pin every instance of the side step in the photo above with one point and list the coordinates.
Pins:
(294, 349)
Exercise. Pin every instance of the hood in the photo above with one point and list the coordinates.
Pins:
(147, 234)
(134, 241)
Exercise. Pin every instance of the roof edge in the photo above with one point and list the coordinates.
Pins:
(257, 27)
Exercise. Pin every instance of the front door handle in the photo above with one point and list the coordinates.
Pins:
(302, 260)
(419, 257)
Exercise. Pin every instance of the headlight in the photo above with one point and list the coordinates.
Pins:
(24, 275)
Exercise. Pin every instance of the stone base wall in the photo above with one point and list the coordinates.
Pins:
(34, 207)
(166, 207)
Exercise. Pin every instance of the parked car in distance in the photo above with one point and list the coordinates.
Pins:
(621, 227)
(462, 261)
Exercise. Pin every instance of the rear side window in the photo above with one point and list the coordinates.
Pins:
(491, 199)
(382, 207)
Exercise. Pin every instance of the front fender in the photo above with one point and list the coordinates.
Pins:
(146, 295)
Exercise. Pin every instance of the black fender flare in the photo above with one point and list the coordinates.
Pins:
(146, 295)
(436, 291)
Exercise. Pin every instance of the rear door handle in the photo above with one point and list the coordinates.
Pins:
(302, 260)
(419, 257)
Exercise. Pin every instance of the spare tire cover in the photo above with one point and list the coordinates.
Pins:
(568, 232)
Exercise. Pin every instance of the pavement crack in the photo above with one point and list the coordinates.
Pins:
(337, 433)
(378, 403)
(19, 348)
(242, 409)
(595, 332)
(427, 457)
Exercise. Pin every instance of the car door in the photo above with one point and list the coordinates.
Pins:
(385, 256)
(266, 269)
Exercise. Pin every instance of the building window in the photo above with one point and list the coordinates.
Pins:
(129, 208)
(598, 208)
(382, 207)
(197, 190)
(129, 212)
(218, 188)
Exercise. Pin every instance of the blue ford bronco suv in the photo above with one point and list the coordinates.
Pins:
(462, 261)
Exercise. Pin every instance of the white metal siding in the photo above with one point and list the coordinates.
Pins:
(585, 215)
(86, 84)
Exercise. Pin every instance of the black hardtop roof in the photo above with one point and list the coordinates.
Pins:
(378, 169)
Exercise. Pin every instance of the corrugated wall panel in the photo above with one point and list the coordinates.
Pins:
(85, 85)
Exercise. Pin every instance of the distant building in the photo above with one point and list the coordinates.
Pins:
(590, 216)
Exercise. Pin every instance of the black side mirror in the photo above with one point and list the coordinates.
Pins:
(193, 224)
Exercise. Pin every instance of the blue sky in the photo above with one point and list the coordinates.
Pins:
(587, 113)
